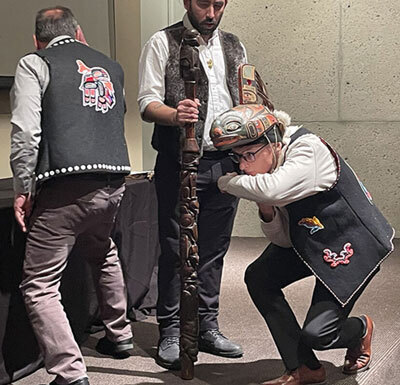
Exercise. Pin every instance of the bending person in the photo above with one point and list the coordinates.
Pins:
(321, 221)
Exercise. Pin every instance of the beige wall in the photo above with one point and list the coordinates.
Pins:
(334, 66)
(21, 13)
(127, 36)
(127, 47)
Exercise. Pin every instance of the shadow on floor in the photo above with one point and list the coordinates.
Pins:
(145, 340)
(248, 373)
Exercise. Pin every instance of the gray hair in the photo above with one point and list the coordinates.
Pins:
(54, 21)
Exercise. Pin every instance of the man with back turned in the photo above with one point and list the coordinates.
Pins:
(69, 159)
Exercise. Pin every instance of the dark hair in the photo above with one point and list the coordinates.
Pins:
(54, 21)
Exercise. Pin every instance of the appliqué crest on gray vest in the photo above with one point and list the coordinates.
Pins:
(97, 88)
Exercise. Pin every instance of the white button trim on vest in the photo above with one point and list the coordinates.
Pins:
(83, 167)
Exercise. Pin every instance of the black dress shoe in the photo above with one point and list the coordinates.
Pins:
(115, 349)
(168, 353)
(81, 381)
(214, 342)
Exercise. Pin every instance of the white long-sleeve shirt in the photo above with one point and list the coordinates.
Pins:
(152, 63)
(30, 83)
(307, 168)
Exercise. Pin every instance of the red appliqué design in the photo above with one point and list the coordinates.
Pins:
(342, 259)
(97, 88)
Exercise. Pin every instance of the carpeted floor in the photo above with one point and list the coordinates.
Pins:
(240, 321)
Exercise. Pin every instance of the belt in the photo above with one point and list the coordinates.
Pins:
(97, 176)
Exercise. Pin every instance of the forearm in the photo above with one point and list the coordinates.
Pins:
(277, 228)
(160, 113)
(266, 212)
(23, 162)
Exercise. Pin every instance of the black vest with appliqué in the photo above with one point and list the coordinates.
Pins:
(339, 233)
(82, 117)
(167, 139)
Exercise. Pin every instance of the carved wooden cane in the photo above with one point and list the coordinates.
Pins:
(189, 208)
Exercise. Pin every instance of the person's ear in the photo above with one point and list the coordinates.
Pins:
(80, 36)
(35, 42)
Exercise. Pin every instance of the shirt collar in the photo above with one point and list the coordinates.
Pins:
(56, 39)
(187, 24)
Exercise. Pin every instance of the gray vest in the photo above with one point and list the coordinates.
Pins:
(339, 233)
(82, 113)
(166, 139)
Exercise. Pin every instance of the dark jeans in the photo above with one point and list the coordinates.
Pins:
(215, 222)
(327, 325)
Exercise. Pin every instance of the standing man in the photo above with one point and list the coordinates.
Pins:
(321, 221)
(68, 143)
(162, 101)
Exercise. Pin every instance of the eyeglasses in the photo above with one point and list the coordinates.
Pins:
(247, 156)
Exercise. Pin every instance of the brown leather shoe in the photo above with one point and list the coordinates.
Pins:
(301, 376)
(358, 359)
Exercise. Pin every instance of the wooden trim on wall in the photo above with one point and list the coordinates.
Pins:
(111, 26)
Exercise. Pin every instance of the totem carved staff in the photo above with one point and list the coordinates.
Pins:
(189, 208)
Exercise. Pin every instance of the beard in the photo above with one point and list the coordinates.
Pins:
(206, 27)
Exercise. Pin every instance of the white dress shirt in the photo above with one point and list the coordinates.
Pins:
(307, 168)
(152, 65)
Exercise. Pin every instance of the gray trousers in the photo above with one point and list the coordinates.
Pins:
(68, 208)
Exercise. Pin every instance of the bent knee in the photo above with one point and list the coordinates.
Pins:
(316, 338)
(252, 277)
(260, 283)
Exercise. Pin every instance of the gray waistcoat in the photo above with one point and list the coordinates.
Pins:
(166, 139)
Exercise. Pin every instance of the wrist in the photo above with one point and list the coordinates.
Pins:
(267, 213)
(174, 117)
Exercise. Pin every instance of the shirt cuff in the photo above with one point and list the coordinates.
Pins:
(22, 186)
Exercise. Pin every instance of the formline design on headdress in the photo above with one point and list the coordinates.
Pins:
(252, 89)
(253, 119)
(97, 88)
(241, 125)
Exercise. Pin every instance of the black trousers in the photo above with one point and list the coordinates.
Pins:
(215, 222)
(327, 325)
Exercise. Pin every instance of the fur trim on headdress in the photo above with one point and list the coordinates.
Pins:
(282, 117)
